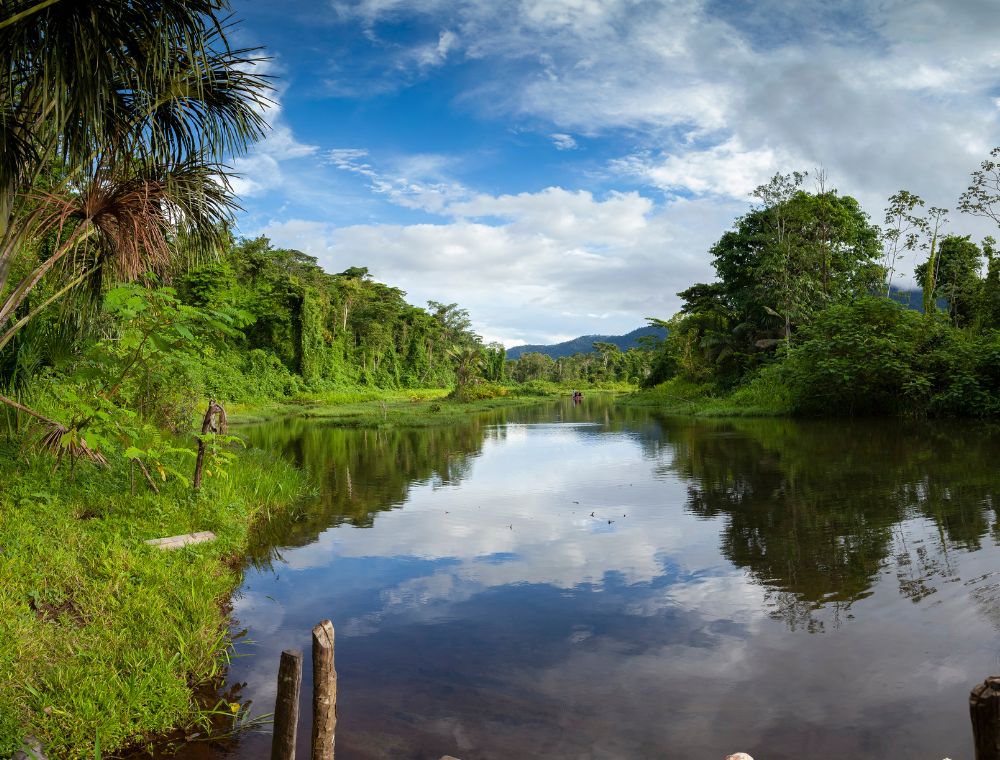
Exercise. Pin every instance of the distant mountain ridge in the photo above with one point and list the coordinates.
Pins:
(585, 343)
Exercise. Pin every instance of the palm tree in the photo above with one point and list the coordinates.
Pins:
(115, 119)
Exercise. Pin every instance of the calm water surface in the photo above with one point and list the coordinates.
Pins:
(592, 582)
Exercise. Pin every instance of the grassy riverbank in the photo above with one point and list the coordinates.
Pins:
(759, 398)
(102, 638)
(399, 408)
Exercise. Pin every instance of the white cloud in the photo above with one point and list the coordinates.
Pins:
(882, 94)
(563, 141)
(417, 182)
(260, 170)
(726, 169)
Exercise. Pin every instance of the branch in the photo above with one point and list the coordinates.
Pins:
(17, 296)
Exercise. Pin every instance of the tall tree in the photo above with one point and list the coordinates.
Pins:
(901, 231)
(958, 264)
(931, 229)
(782, 263)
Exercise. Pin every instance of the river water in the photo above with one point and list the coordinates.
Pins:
(587, 581)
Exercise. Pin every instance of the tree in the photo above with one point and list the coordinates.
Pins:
(931, 230)
(609, 352)
(115, 120)
(781, 264)
(900, 232)
(990, 294)
(982, 198)
(494, 362)
(776, 270)
(958, 263)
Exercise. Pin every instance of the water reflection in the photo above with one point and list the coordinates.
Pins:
(584, 581)
(812, 509)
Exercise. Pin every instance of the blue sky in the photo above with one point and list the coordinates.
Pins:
(561, 167)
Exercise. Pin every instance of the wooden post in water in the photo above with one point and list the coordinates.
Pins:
(324, 692)
(286, 705)
(984, 707)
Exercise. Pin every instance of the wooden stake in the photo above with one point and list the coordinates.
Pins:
(286, 705)
(324, 692)
(214, 422)
(984, 707)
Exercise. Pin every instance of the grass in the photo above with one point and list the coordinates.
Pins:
(395, 408)
(103, 638)
(763, 396)
(311, 404)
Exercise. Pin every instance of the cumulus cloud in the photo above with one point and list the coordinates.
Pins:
(726, 169)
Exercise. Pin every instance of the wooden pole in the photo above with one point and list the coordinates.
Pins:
(286, 705)
(208, 425)
(984, 707)
(324, 692)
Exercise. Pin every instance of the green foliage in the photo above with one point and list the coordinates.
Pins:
(311, 336)
(607, 364)
(123, 108)
(783, 263)
(876, 357)
(327, 331)
(958, 262)
(479, 391)
(792, 324)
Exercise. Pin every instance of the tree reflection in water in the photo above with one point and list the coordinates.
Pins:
(813, 510)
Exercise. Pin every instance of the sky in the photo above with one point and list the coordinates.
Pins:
(562, 167)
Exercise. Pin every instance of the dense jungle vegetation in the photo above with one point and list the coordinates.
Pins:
(800, 318)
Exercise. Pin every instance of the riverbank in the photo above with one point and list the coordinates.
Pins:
(759, 398)
(104, 639)
(397, 408)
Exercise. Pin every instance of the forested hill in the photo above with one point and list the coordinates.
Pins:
(585, 343)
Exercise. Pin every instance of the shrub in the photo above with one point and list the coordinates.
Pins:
(874, 356)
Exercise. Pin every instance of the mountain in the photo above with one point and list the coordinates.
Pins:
(585, 343)
(913, 298)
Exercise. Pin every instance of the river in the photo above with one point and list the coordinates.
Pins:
(586, 581)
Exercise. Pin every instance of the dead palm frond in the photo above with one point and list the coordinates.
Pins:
(58, 439)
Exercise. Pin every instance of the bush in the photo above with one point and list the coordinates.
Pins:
(479, 392)
(874, 357)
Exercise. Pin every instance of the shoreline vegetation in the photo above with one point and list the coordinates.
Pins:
(417, 407)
